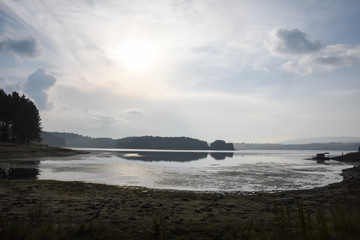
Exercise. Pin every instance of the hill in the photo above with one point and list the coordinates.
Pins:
(310, 146)
(75, 140)
(143, 142)
(150, 142)
(323, 140)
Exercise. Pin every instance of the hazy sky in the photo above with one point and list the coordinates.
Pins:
(252, 71)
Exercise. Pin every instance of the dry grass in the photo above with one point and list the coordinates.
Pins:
(63, 210)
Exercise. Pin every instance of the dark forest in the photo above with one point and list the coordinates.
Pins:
(19, 118)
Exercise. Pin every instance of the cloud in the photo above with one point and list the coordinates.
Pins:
(36, 86)
(329, 58)
(206, 50)
(305, 56)
(281, 41)
(8, 86)
(343, 92)
(260, 65)
(135, 112)
(103, 118)
(25, 47)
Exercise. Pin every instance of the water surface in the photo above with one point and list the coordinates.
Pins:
(245, 171)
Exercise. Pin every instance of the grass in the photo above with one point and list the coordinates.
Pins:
(39, 227)
(339, 224)
(285, 224)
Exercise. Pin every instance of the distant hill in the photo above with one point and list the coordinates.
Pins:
(310, 146)
(58, 139)
(144, 142)
(323, 140)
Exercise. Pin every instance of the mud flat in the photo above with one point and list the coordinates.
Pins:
(76, 210)
(17, 151)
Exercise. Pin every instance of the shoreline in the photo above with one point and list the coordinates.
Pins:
(136, 210)
(28, 151)
(139, 212)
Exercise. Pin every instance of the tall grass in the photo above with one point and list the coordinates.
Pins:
(323, 225)
(287, 223)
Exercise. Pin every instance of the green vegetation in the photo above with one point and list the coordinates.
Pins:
(19, 118)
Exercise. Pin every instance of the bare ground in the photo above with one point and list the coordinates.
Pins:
(148, 213)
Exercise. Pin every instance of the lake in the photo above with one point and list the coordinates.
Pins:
(236, 171)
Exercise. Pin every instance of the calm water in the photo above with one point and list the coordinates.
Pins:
(245, 171)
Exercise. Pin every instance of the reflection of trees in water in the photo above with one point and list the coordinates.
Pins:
(164, 156)
(27, 170)
(221, 155)
(173, 156)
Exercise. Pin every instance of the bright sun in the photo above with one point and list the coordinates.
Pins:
(137, 55)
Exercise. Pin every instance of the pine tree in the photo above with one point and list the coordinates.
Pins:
(19, 118)
(4, 115)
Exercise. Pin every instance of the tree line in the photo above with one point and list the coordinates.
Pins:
(19, 118)
(344, 146)
(145, 142)
(151, 142)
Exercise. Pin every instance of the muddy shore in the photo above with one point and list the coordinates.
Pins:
(29, 151)
(138, 212)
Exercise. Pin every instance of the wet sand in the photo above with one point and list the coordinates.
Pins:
(140, 212)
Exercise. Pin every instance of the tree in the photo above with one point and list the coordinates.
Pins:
(19, 118)
(4, 115)
(221, 145)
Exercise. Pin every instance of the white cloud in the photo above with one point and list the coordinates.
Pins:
(134, 112)
(203, 52)
(104, 119)
(260, 65)
(8, 86)
(342, 92)
(301, 115)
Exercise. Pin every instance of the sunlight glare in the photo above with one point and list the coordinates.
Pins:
(136, 55)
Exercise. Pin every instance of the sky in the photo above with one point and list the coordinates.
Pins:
(237, 70)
